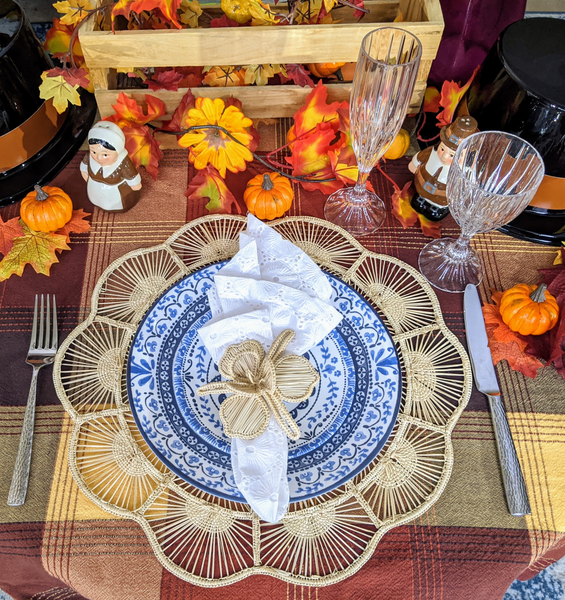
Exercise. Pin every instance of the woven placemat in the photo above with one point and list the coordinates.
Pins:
(212, 542)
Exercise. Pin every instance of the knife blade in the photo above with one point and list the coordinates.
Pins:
(487, 383)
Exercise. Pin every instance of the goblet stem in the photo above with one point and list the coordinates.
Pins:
(461, 249)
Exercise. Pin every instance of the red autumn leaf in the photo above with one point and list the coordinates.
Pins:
(77, 224)
(177, 122)
(451, 94)
(401, 207)
(223, 21)
(128, 109)
(429, 228)
(165, 79)
(191, 76)
(298, 74)
(208, 184)
(8, 231)
(72, 76)
(315, 111)
(143, 148)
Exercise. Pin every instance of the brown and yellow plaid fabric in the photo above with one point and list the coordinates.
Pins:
(60, 546)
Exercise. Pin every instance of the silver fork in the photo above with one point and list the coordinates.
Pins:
(42, 350)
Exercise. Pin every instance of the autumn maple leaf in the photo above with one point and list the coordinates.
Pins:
(401, 207)
(190, 11)
(60, 91)
(58, 40)
(35, 248)
(261, 14)
(167, 8)
(223, 21)
(208, 184)
(142, 147)
(258, 74)
(177, 122)
(77, 224)
(451, 94)
(431, 100)
(8, 231)
(128, 109)
(226, 76)
(298, 74)
(73, 11)
(165, 79)
(315, 110)
(72, 76)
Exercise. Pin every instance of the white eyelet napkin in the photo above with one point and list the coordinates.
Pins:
(270, 285)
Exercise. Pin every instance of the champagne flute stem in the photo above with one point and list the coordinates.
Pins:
(361, 184)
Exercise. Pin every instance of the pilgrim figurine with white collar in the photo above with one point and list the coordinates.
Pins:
(113, 180)
(430, 168)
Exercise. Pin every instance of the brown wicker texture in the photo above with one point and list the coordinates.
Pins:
(209, 541)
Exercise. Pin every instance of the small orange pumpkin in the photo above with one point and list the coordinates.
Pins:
(46, 209)
(529, 309)
(324, 69)
(399, 146)
(268, 195)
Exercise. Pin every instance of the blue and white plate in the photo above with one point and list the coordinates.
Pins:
(344, 424)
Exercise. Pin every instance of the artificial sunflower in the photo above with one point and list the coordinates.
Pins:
(211, 146)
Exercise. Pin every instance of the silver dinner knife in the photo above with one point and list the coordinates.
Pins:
(486, 382)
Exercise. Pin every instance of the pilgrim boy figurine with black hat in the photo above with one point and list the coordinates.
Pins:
(113, 180)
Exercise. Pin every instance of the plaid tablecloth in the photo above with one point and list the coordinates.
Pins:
(60, 546)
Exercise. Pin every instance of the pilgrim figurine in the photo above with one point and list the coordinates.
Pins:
(430, 168)
(113, 180)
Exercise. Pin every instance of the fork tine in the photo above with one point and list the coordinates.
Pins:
(41, 323)
(33, 341)
(55, 341)
(47, 324)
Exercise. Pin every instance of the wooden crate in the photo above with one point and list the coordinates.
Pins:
(105, 51)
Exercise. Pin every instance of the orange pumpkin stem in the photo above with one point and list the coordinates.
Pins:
(267, 184)
(538, 295)
(41, 193)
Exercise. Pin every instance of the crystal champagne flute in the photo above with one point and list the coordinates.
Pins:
(382, 88)
(492, 178)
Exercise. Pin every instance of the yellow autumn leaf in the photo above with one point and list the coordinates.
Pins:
(190, 10)
(261, 14)
(35, 248)
(61, 92)
(329, 4)
(73, 11)
(258, 74)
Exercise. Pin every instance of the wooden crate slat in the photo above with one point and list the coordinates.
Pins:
(239, 46)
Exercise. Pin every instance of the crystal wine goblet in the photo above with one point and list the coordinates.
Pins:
(382, 88)
(492, 179)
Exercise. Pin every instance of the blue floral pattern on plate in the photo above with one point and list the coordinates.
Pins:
(344, 424)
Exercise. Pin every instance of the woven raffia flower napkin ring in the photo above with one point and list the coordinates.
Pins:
(260, 385)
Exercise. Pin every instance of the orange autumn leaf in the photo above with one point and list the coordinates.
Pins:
(58, 40)
(77, 224)
(315, 111)
(142, 147)
(431, 100)
(208, 184)
(505, 344)
(310, 156)
(167, 8)
(177, 122)
(451, 94)
(128, 109)
(35, 248)
(401, 207)
(8, 231)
